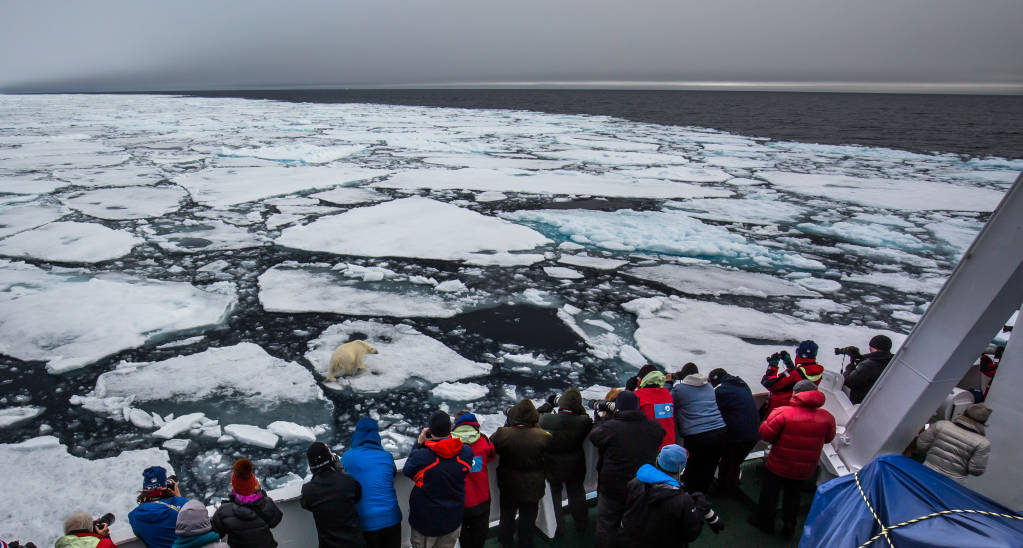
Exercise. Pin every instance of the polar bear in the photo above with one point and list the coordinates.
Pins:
(349, 358)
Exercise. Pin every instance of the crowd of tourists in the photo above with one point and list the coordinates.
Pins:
(660, 442)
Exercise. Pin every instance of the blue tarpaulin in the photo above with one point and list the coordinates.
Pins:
(901, 490)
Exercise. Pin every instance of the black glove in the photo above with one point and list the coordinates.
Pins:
(787, 359)
(773, 359)
(18, 544)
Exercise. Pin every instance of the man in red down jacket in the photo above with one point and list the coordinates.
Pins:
(476, 521)
(655, 401)
(780, 383)
(797, 434)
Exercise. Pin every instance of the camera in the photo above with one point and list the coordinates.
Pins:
(850, 351)
(603, 406)
(106, 519)
(709, 516)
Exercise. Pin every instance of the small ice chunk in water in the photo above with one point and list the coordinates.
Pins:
(562, 272)
(252, 435)
(466, 391)
(350, 196)
(176, 445)
(490, 196)
(179, 425)
(9, 416)
(291, 432)
(598, 263)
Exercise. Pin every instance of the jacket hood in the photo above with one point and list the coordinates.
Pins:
(243, 505)
(523, 413)
(695, 379)
(367, 432)
(969, 424)
(572, 400)
(732, 379)
(652, 475)
(445, 448)
(811, 398)
(652, 379)
(192, 520)
(155, 512)
(467, 433)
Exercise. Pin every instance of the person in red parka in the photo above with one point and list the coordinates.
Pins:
(476, 521)
(780, 383)
(655, 401)
(797, 433)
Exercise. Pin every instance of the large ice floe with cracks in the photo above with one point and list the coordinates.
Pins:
(197, 260)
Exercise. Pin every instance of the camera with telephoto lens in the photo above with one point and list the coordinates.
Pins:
(603, 406)
(709, 515)
(850, 351)
(106, 519)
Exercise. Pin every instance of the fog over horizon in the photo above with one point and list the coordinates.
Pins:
(120, 45)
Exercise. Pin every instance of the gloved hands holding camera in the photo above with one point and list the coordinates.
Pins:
(773, 359)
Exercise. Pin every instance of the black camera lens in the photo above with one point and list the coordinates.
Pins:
(106, 519)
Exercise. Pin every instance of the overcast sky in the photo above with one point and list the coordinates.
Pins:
(101, 45)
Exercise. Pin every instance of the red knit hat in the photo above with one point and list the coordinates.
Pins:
(243, 481)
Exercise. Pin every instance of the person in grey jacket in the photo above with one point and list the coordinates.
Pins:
(700, 425)
(958, 448)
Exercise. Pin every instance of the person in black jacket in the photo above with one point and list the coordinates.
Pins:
(742, 420)
(248, 514)
(624, 442)
(331, 496)
(565, 461)
(659, 511)
(863, 371)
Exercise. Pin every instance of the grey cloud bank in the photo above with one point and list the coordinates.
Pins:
(906, 45)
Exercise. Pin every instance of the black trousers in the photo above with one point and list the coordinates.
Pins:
(576, 503)
(527, 511)
(475, 525)
(388, 537)
(609, 521)
(704, 453)
(731, 459)
(768, 505)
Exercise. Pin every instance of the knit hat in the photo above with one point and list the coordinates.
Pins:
(467, 418)
(978, 412)
(572, 400)
(688, 369)
(243, 481)
(193, 520)
(672, 458)
(803, 386)
(440, 424)
(154, 477)
(881, 342)
(319, 456)
(716, 375)
(627, 401)
(653, 378)
(807, 350)
(78, 521)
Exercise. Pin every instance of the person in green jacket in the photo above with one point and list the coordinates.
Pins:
(564, 461)
(521, 445)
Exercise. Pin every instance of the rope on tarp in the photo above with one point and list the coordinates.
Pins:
(885, 528)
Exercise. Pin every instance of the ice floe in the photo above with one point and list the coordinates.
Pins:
(908, 283)
(597, 263)
(562, 272)
(887, 193)
(9, 416)
(70, 242)
(252, 435)
(481, 161)
(17, 218)
(459, 391)
(712, 280)
(39, 470)
(111, 312)
(558, 182)
(718, 335)
(404, 354)
(221, 187)
(298, 153)
(291, 432)
(350, 196)
(667, 232)
(127, 203)
(201, 236)
(411, 227)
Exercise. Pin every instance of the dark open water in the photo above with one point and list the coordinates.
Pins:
(971, 125)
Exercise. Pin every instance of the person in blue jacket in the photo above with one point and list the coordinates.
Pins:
(374, 469)
(438, 466)
(154, 519)
(742, 421)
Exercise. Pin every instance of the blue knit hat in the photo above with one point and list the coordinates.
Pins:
(154, 477)
(807, 349)
(467, 418)
(672, 458)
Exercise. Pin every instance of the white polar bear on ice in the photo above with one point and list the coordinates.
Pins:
(349, 358)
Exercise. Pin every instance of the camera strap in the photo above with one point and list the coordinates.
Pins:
(176, 508)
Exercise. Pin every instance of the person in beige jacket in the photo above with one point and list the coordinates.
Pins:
(958, 448)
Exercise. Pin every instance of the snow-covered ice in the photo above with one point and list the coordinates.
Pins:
(712, 280)
(112, 312)
(9, 416)
(127, 203)
(221, 187)
(252, 435)
(70, 242)
(350, 196)
(562, 272)
(39, 470)
(404, 353)
(411, 227)
(459, 391)
(17, 218)
(291, 432)
(598, 263)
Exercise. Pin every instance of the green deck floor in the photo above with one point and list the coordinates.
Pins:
(733, 510)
